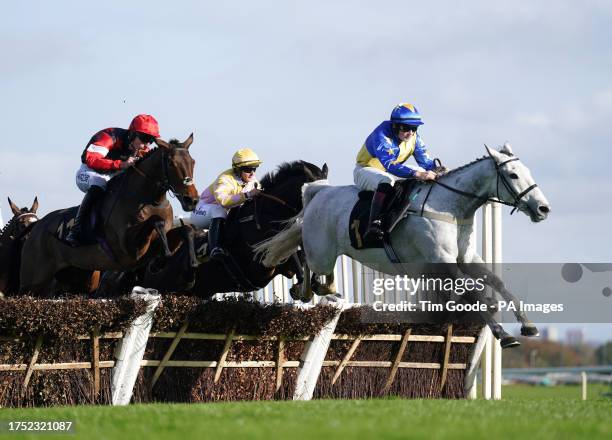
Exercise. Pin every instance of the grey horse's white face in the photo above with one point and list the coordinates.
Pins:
(518, 178)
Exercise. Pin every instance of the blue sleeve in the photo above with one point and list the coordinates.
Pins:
(387, 155)
(421, 156)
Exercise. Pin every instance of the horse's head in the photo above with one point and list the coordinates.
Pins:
(516, 186)
(287, 181)
(178, 171)
(23, 217)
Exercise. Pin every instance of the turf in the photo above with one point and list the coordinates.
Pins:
(523, 412)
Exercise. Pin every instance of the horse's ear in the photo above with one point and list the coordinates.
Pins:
(324, 170)
(506, 149)
(34, 205)
(14, 207)
(309, 174)
(188, 141)
(490, 152)
(162, 143)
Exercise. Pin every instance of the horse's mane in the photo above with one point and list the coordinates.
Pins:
(287, 170)
(119, 177)
(7, 226)
(454, 170)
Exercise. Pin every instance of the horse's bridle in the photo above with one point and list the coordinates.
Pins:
(500, 177)
(165, 184)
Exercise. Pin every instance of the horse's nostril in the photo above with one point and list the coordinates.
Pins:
(544, 209)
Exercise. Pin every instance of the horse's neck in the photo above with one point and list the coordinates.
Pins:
(289, 192)
(145, 187)
(477, 178)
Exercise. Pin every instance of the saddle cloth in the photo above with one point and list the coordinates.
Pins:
(394, 209)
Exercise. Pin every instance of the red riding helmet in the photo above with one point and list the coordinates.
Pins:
(146, 124)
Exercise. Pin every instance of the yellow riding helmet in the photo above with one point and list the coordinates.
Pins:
(245, 157)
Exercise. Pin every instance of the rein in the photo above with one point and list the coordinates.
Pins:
(516, 196)
(270, 197)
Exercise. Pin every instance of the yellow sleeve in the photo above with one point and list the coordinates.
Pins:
(227, 192)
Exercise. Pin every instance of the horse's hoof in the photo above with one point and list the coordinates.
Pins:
(323, 290)
(509, 342)
(296, 293)
(529, 330)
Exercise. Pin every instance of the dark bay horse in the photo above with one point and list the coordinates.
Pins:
(247, 225)
(11, 240)
(132, 214)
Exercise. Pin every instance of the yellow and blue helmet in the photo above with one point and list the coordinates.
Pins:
(406, 114)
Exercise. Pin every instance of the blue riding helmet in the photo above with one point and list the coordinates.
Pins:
(406, 114)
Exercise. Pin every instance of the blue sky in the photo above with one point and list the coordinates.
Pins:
(310, 80)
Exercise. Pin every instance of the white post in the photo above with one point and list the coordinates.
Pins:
(584, 385)
(355, 273)
(313, 356)
(345, 282)
(487, 257)
(471, 381)
(131, 349)
(1, 221)
(497, 261)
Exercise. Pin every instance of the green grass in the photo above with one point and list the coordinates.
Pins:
(553, 413)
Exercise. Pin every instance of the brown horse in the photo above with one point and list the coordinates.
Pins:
(247, 225)
(131, 215)
(11, 240)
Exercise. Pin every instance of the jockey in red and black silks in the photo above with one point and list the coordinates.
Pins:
(107, 153)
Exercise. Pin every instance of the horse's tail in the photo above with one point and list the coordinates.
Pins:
(309, 190)
(277, 249)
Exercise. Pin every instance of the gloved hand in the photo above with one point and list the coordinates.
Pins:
(252, 193)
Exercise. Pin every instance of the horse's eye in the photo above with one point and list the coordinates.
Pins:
(513, 176)
(187, 181)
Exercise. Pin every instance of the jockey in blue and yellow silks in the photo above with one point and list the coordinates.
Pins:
(382, 160)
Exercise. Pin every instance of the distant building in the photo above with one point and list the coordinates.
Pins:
(551, 334)
(574, 336)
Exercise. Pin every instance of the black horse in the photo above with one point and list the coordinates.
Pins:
(247, 225)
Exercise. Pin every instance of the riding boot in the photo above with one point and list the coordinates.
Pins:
(375, 228)
(75, 235)
(215, 239)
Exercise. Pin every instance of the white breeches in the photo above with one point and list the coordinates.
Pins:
(86, 178)
(368, 178)
(204, 213)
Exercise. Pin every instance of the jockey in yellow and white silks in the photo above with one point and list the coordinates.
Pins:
(230, 189)
(382, 160)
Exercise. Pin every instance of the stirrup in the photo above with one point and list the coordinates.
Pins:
(72, 240)
(218, 253)
(375, 231)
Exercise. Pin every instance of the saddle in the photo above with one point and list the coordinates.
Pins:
(394, 210)
(92, 231)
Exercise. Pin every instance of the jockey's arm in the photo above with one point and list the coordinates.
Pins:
(227, 194)
(95, 156)
(421, 156)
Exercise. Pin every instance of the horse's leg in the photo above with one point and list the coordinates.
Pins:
(505, 339)
(477, 269)
(160, 226)
(189, 236)
(296, 266)
(326, 288)
(306, 292)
